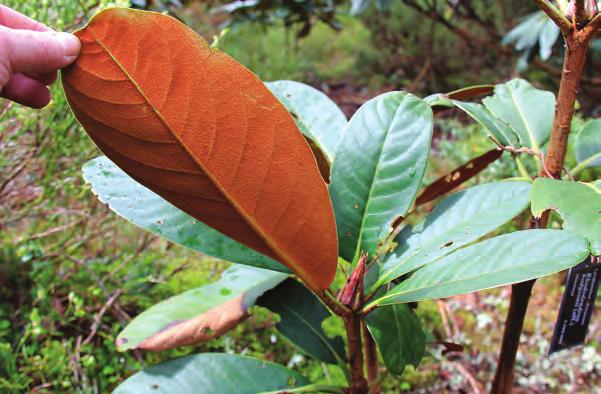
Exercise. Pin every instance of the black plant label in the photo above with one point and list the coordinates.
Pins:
(577, 305)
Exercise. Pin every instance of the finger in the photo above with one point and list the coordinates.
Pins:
(15, 20)
(35, 53)
(27, 91)
(47, 79)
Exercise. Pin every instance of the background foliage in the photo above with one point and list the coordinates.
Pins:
(72, 273)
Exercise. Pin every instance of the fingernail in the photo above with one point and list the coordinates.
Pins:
(69, 59)
(71, 45)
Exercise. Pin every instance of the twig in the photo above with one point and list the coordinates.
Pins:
(476, 386)
(443, 316)
(98, 317)
(595, 24)
(556, 16)
(51, 231)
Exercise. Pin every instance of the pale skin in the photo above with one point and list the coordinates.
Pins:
(30, 56)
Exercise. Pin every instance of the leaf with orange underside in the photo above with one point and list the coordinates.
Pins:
(203, 132)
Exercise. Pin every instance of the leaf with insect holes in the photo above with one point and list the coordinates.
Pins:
(579, 205)
(151, 212)
(458, 220)
(498, 261)
(301, 315)
(379, 165)
(200, 314)
(212, 373)
(203, 132)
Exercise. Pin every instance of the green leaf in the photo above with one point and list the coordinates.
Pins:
(579, 205)
(212, 373)
(399, 336)
(378, 169)
(547, 39)
(200, 314)
(588, 144)
(145, 209)
(536, 28)
(457, 220)
(498, 261)
(496, 127)
(318, 117)
(527, 110)
(302, 314)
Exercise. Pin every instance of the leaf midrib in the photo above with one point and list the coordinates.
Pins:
(523, 119)
(373, 181)
(471, 278)
(314, 330)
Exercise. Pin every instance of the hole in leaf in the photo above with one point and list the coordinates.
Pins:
(291, 381)
(447, 245)
(225, 291)
(208, 331)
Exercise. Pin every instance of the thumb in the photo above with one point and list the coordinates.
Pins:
(34, 53)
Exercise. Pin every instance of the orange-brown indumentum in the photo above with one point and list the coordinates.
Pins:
(203, 132)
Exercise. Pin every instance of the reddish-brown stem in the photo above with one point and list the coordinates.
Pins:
(355, 353)
(575, 58)
(371, 359)
(577, 43)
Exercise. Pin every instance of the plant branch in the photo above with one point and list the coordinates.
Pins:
(577, 43)
(595, 24)
(555, 14)
(334, 305)
(352, 324)
(575, 58)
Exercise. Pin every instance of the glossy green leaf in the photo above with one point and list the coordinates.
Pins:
(498, 261)
(496, 127)
(579, 205)
(535, 29)
(151, 212)
(211, 373)
(378, 169)
(399, 336)
(588, 144)
(318, 117)
(547, 39)
(301, 315)
(527, 110)
(199, 314)
(457, 220)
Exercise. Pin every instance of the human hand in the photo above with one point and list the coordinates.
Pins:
(30, 55)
